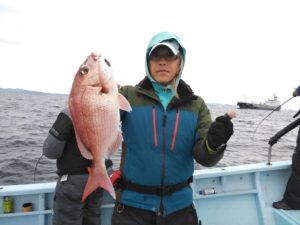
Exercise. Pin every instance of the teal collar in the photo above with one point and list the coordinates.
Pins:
(165, 93)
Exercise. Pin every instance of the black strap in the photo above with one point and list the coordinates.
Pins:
(74, 171)
(160, 191)
(80, 170)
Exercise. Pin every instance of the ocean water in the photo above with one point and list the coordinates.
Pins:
(26, 118)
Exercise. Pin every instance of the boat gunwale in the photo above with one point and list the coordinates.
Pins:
(48, 187)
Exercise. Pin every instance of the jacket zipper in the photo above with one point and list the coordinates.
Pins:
(162, 210)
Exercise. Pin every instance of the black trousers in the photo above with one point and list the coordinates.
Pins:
(127, 215)
(292, 191)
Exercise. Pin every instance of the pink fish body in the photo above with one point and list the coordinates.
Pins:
(94, 104)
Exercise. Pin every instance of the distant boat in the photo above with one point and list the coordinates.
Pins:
(270, 104)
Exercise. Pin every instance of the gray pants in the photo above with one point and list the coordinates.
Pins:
(68, 208)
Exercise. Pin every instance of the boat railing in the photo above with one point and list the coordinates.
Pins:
(229, 195)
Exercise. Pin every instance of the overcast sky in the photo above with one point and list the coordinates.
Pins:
(236, 49)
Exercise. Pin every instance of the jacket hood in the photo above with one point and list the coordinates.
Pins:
(158, 38)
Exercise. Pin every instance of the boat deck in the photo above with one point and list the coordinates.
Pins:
(243, 195)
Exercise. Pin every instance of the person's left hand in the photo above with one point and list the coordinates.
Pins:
(220, 131)
(231, 114)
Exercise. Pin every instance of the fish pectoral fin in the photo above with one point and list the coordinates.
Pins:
(83, 150)
(123, 103)
(116, 145)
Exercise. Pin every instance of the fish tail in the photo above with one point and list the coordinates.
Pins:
(98, 181)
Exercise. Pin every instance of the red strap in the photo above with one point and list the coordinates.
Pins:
(154, 126)
(115, 176)
(175, 131)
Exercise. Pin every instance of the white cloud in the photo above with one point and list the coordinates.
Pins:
(234, 48)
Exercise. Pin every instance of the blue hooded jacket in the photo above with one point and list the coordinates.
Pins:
(161, 139)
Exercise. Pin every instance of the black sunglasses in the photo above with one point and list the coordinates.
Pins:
(163, 53)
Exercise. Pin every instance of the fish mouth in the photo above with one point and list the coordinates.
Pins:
(95, 85)
(98, 87)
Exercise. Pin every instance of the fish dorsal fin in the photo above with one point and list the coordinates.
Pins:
(83, 150)
(123, 103)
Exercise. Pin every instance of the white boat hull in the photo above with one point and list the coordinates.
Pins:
(243, 196)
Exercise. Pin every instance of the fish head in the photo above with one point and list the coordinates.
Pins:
(87, 74)
(95, 72)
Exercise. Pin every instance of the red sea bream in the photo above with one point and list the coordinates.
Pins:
(94, 104)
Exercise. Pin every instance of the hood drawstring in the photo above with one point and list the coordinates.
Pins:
(174, 132)
(154, 126)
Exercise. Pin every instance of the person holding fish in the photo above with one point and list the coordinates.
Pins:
(72, 168)
(291, 196)
(167, 129)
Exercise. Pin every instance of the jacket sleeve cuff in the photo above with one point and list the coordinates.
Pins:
(209, 149)
(221, 148)
(206, 158)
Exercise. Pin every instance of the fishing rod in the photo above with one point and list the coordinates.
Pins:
(35, 168)
(279, 134)
(278, 107)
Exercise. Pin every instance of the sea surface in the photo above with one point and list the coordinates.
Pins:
(25, 119)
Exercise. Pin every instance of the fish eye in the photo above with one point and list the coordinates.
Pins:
(84, 70)
(107, 62)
